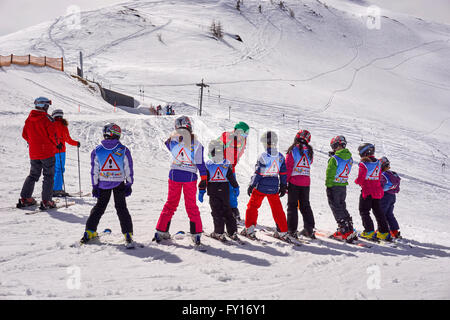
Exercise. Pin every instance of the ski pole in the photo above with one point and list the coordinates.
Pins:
(79, 174)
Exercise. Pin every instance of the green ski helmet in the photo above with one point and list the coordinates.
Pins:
(242, 126)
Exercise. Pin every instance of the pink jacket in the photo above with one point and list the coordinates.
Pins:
(301, 181)
(369, 187)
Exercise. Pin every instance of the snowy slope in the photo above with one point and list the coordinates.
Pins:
(323, 69)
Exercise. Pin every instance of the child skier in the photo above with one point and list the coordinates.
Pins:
(111, 172)
(299, 158)
(390, 181)
(268, 181)
(371, 193)
(62, 136)
(187, 154)
(338, 171)
(219, 175)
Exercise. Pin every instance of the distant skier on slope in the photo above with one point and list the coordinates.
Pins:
(111, 172)
(299, 158)
(187, 154)
(390, 181)
(219, 176)
(62, 136)
(268, 181)
(234, 146)
(336, 181)
(369, 176)
(40, 133)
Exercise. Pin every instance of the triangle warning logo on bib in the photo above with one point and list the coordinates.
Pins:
(218, 175)
(110, 164)
(345, 172)
(375, 174)
(183, 157)
(273, 170)
(303, 163)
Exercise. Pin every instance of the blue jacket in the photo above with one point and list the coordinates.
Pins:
(270, 172)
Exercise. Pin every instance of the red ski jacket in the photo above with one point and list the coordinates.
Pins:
(63, 136)
(369, 187)
(39, 131)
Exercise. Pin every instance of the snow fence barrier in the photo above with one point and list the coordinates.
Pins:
(54, 63)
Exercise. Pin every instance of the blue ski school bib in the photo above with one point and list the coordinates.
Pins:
(343, 169)
(373, 170)
(111, 163)
(184, 157)
(218, 171)
(270, 164)
(302, 162)
(390, 185)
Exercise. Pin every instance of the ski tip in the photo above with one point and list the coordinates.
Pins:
(107, 230)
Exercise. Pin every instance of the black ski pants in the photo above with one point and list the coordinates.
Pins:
(121, 208)
(336, 199)
(47, 168)
(219, 200)
(367, 204)
(298, 197)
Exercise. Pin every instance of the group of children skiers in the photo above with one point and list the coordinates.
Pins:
(275, 175)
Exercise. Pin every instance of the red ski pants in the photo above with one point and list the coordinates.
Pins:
(251, 215)
(189, 190)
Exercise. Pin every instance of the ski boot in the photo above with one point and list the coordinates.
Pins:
(218, 236)
(395, 234)
(26, 202)
(307, 233)
(383, 236)
(88, 236)
(281, 235)
(161, 235)
(129, 243)
(47, 204)
(293, 234)
(234, 236)
(196, 238)
(249, 232)
(368, 235)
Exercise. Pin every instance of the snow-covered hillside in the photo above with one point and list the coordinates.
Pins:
(319, 67)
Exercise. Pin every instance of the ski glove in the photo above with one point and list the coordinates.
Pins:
(128, 190)
(250, 190)
(59, 146)
(95, 191)
(202, 184)
(201, 194)
(283, 189)
(78, 144)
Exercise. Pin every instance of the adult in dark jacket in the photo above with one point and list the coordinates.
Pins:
(39, 131)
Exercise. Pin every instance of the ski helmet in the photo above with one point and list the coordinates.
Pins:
(57, 113)
(269, 138)
(112, 131)
(242, 126)
(303, 136)
(183, 122)
(42, 103)
(215, 150)
(366, 149)
(338, 141)
(385, 162)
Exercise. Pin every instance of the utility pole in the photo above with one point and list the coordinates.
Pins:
(201, 85)
(229, 112)
(81, 65)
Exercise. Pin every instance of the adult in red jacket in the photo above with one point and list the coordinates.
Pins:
(62, 136)
(39, 131)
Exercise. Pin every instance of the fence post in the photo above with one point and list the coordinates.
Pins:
(29, 59)
(45, 61)
(11, 58)
(62, 64)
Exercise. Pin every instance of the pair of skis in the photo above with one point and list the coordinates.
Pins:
(106, 234)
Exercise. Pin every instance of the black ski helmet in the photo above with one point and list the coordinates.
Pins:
(112, 131)
(385, 162)
(269, 139)
(366, 149)
(215, 149)
(183, 122)
(57, 113)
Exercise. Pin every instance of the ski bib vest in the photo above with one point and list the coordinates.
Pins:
(184, 157)
(373, 170)
(111, 163)
(272, 165)
(343, 169)
(389, 184)
(217, 171)
(301, 162)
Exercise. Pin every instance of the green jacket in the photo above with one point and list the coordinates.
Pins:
(332, 167)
